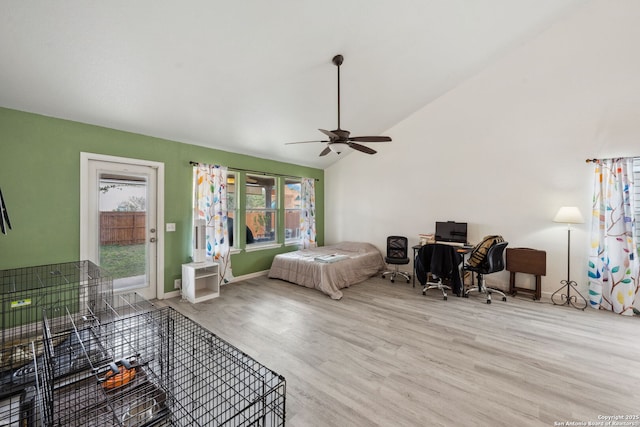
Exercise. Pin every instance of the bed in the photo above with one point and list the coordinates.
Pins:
(329, 268)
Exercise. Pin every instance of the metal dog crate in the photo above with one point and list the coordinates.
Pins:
(94, 358)
(155, 367)
(80, 288)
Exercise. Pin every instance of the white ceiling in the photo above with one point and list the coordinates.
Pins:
(247, 76)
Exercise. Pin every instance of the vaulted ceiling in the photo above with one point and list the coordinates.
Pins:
(248, 76)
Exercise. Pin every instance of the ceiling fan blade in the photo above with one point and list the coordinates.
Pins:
(301, 142)
(329, 134)
(362, 148)
(370, 138)
(326, 151)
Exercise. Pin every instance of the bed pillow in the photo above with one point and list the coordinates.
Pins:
(359, 247)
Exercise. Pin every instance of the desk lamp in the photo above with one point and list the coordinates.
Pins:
(569, 215)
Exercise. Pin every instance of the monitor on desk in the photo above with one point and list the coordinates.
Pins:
(451, 232)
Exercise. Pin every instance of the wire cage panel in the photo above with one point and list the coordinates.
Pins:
(24, 407)
(213, 383)
(79, 286)
(156, 367)
(127, 304)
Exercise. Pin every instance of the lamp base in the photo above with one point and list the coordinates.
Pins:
(567, 298)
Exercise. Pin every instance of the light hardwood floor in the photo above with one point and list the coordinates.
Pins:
(387, 355)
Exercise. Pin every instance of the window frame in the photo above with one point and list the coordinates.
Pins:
(235, 210)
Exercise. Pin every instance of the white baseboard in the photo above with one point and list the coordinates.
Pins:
(171, 294)
(249, 276)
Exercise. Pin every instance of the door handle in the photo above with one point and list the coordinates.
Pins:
(152, 240)
(153, 230)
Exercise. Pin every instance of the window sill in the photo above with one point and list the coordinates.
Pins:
(293, 243)
(261, 246)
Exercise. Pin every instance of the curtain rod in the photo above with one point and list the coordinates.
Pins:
(613, 158)
(192, 163)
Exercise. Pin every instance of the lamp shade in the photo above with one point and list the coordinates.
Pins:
(569, 215)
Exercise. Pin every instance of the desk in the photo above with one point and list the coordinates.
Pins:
(464, 250)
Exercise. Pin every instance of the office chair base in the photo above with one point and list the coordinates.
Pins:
(395, 274)
(437, 285)
(487, 292)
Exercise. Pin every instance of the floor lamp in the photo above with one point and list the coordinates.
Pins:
(569, 215)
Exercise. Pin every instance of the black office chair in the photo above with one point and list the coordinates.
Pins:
(397, 255)
(443, 262)
(492, 263)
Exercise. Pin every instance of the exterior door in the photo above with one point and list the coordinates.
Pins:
(122, 223)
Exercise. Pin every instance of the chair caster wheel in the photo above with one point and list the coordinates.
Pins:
(488, 301)
(424, 293)
(383, 276)
(504, 299)
(408, 281)
(444, 298)
(465, 296)
(392, 281)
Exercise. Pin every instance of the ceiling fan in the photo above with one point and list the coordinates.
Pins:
(339, 139)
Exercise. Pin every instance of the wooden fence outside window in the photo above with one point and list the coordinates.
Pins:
(122, 228)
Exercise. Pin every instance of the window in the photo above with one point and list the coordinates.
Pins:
(261, 209)
(292, 208)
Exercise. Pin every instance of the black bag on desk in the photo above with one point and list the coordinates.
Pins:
(442, 261)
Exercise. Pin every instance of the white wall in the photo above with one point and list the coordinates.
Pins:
(507, 148)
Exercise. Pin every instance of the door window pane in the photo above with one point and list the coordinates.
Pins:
(122, 204)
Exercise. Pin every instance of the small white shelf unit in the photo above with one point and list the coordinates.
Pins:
(200, 281)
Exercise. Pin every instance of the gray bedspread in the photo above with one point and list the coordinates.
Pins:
(356, 262)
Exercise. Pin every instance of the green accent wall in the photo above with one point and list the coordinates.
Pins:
(40, 181)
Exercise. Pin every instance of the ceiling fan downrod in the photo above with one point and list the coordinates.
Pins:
(337, 60)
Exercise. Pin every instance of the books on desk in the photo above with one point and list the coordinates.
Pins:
(330, 258)
(426, 238)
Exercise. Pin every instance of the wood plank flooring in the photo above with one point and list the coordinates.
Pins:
(385, 355)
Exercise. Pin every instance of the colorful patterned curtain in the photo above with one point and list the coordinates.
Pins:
(613, 257)
(308, 215)
(210, 200)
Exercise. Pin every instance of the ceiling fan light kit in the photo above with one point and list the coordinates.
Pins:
(339, 139)
(338, 147)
